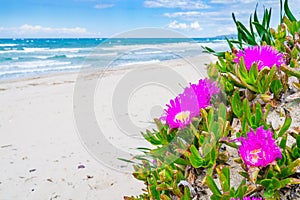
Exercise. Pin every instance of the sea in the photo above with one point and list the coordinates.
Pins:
(27, 58)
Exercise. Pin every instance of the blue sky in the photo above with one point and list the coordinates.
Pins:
(106, 18)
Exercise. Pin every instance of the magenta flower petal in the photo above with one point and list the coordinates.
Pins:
(187, 105)
(259, 148)
(263, 56)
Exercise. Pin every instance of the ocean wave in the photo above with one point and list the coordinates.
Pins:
(33, 64)
(43, 50)
(77, 55)
(23, 50)
(73, 50)
(34, 49)
(217, 46)
(37, 71)
(148, 52)
(42, 56)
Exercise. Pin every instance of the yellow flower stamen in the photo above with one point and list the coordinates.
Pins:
(255, 155)
(182, 116)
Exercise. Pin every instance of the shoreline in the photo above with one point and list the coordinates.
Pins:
(41, 152)
(99, 71)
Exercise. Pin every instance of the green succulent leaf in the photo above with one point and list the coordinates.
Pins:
(253, 73)
(236, 105)
(289, 181)
(187, 194)
(266, 182)
(290, 169)
(241, 190)
(285, 126)
(283, 141)
(276, 86)
(258, 114)
(224, 176)
(263, 32)
(290, 71)
(195, 158)
(288, 12)
(298, 141)
(213, 186)
(152, 188)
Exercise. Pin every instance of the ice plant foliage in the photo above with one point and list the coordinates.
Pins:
(259, 148)
(187, 105)
(269, 171)
(263, 56)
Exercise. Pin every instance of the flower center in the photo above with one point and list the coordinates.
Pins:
(182, 116)
(255, 156)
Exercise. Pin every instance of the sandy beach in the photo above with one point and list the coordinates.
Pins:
(42, 152)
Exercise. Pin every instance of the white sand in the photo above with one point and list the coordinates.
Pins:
(41, 148)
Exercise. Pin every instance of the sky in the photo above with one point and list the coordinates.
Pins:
(108, 18)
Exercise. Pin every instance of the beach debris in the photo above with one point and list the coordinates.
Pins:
(49, 180)
(54, 196)
(81, 167)
(30, 178)
(89, 177)
(32, 170)
(7, 145)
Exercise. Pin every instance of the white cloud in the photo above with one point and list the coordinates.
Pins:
(182, 4)
(193, 15)
(176, 25)
(184, 14)
(103, 6)
(195, 25)
(233, 1)
(28, 30)
(184, 26)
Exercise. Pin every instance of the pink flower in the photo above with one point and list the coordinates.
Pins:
(259, 148)
(185, 106)
(263, 56)
(176, 115)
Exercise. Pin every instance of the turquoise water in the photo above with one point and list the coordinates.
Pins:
(21, 58)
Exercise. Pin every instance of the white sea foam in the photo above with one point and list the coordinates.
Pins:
(39, 70)
(77, 55)
(8, 45)
(95, 55)
(74, 50)
(138, 63)
(30, 50)
(148, 52)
